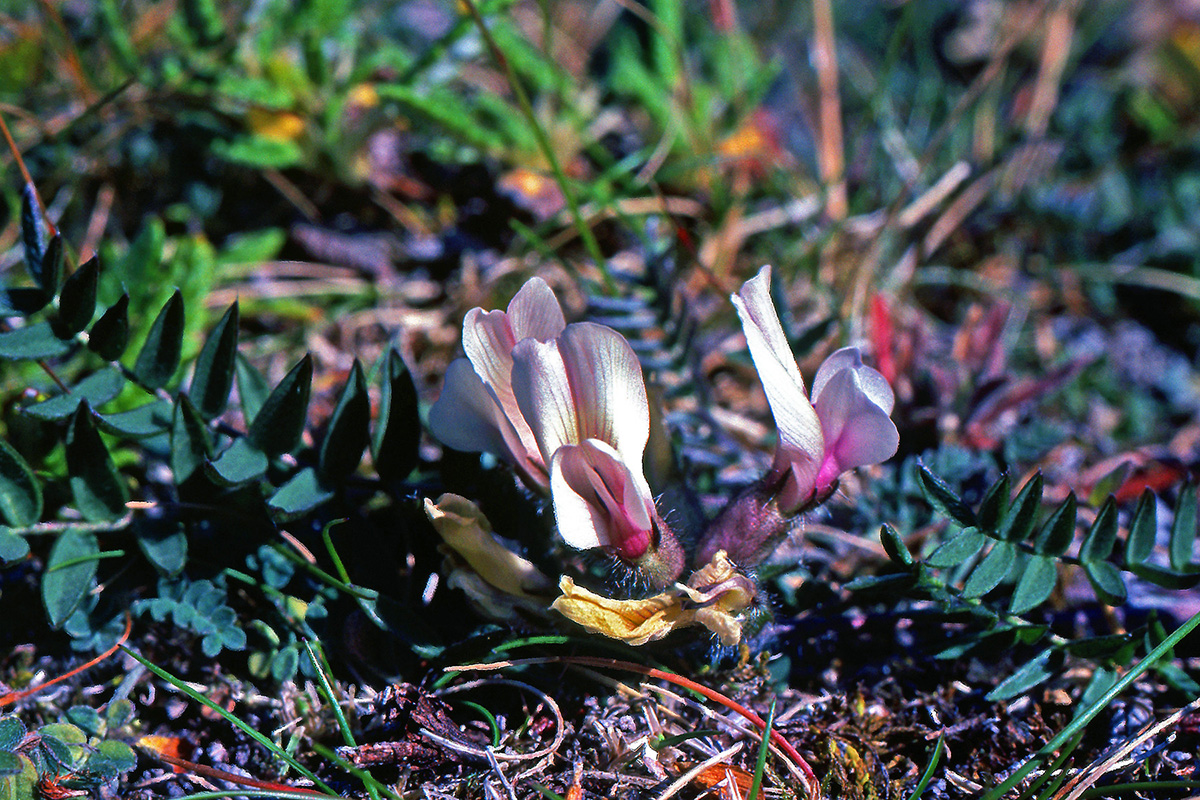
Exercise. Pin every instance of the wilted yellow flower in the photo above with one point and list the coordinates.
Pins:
(712, 597)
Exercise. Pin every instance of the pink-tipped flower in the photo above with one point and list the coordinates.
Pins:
(477, 411)
(848, 422)
(585, 401)
(847, 425)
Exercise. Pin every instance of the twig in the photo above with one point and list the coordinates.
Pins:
(832, 161)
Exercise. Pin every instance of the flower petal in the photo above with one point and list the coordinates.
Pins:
(535, 313)
(872, 382)
(599, 501)
(632, 621)
(801, 445)
(466, 416)
(609, 391)
(543, 395)
(857, 430)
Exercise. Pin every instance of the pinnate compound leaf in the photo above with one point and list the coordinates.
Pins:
(304, 492)
(191, 444)
(894, 546)
(96, 486)
(34, 341)
(1101, 537)
(1143, 529)
(12, 731)
(994, 568)
(1028, 676)
(96, 390)
(1036, 583)
(1106, 582)
(965, 544)
(109, 335)
(1018, 523)
(1183, 529)
(20, 492)
(398, 429)
(64, 587)
(348, 430)
(239, 463)
(159, 357)
(77, 302)
(277, 426)
(943, 498)
(1058, 531)
(213, 378)
(12, 547)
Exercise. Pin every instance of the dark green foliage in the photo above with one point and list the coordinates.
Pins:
(77, 303)
(398, 429)
(50, 274)
(76, 750)
(70, 570)
(1034, 672)
(240, 463)
(159, 357)
(304, 492)
(1098, 543)
(278, 424)
(164, 543)
(894, 546)
(347, 433)
(1183, 529)
(34, 341)
(1010, 548)
(110, 335)
(96, 390)
(213, 378)
(20, 494)
(150, 419)
(12, 548)
(32, 235)
(945, 500)
(200, 607)
(252, 387)
(191, 443)
(1058, 531)
(96, 486)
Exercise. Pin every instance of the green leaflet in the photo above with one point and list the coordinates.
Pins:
(63, 588)
(159, 357)
(96, 486)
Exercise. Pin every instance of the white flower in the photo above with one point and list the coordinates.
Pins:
(848, 422)
(476, 411)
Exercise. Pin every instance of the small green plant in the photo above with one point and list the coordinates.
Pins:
(73, 756)
(1008, 543)
(120, 400)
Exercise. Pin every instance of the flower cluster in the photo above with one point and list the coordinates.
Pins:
(566, 406)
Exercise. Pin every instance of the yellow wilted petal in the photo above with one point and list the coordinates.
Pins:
(633, 621)
(467, 531)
